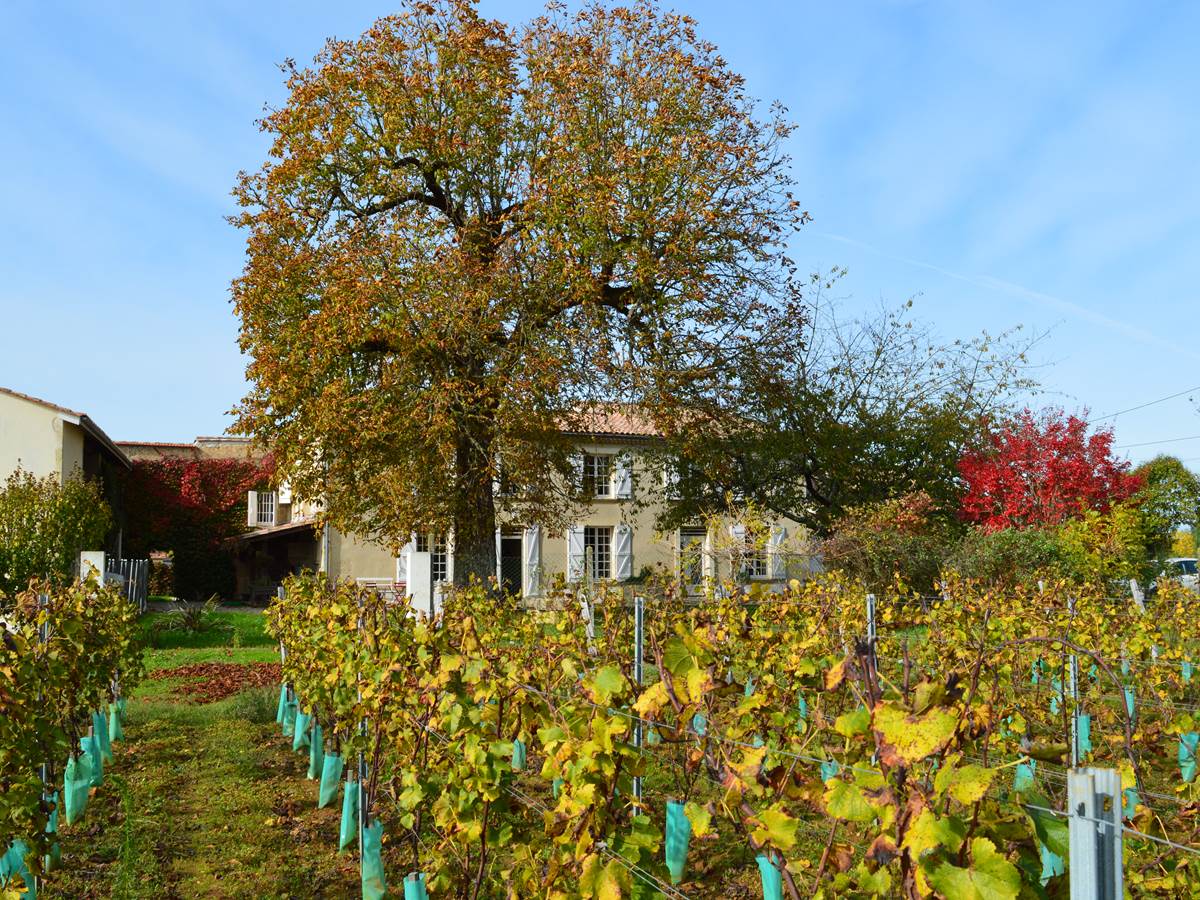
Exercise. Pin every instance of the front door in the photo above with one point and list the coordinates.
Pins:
(510, 563)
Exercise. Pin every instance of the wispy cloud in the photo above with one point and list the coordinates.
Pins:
(1070, 308)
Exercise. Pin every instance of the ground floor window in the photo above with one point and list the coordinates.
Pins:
(597, 547)
(691, 555)
(439, 557)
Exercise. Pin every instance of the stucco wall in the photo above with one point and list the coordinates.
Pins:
(351, 557)
(31, 436)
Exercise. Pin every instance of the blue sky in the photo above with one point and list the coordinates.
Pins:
(1004, 164)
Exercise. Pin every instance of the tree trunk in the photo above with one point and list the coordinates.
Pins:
(474, 510)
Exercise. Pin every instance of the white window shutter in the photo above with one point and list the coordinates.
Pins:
(532, 574)
(575, 553)
(251, 508)
(498, 573)
(622, 478)
(450, 559)
(402, 562)
(775, 555)
(623, 552)
(708, 561)
(737, 550)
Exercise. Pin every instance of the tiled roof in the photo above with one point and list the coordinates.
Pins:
(86, 422)
(151, 444)
(40, 402)
(620, 419)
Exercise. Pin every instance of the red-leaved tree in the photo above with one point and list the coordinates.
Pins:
(1042, 470)
(192, 507)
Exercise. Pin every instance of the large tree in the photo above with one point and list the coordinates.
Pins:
(1169, 497)
(873, 409)
(467, 232)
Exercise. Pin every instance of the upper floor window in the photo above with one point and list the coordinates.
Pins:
(265, 512)
(597, 475)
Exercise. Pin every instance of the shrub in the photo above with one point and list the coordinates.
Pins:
(1009, 557)
(44, 524)
(895, 543)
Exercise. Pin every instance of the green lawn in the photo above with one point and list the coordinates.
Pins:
(204, 800)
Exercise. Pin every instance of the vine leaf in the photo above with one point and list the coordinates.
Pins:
(990, 877)
(908, 739)
(847, 801)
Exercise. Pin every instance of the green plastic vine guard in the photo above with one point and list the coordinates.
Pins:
(77, 782)
(679, 835)
(1023, 775)
(555, 787)
(802, 705)
(1056, 688)
(121, 708)
(1052, 864)
(700, 724)
(316, 752)
(772, 878)
(830, 769)
(652, 738)
(331, 776)
(12, 865)
(1185, 668)
(53, 859)
(1083, 729)
(749, 686)
(414, 886)
(115, 730)
(1130, 801)
(290, 711)
(281, 709)
(1188, 743)
(1036, 671)
(300, 739)
(91, 746)
(374, 885)
(518, 756)
(100, 730)
(1130, 705)
(348, 833)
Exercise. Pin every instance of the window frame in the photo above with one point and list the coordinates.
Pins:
(266, 508)
(691, 554)
(596, 485)
(592, 535)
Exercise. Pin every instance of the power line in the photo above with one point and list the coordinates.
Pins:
(1148, 403)
(1190, 437)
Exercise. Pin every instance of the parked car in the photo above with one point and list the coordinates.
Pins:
(1183, 569)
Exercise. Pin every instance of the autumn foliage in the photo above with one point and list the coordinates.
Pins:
(1042, 470)
(192, 507)
(466, 231)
